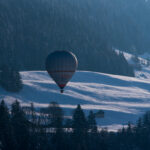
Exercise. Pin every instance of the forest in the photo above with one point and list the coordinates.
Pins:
(91, 30)
(26, 128)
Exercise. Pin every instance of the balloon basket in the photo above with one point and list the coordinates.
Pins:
(61, 91)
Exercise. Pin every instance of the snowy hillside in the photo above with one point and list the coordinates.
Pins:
(122, 98)
(145, 72)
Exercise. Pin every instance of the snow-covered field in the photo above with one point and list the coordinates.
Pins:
(122, 98)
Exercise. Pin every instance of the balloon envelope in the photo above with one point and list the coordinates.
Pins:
(61, 65)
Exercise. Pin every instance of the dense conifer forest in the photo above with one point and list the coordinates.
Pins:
(10, 79)
(27, 128)
(30, 30)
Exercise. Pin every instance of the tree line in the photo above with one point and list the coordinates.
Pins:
(25, 128)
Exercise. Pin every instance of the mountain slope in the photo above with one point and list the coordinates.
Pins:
(34, 28)
(144, 62)
(122, 98)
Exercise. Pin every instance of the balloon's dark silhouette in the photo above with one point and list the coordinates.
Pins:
(61, 65)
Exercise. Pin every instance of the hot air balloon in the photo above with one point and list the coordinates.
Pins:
(61, 65)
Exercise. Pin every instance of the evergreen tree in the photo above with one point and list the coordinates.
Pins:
(42, 142)
(5, 78)
(136, 62)
(20, 126)
(80, 129)
(92, 122)
(17, 82)
(55, 115)
(93, 133)
(139, 123)
(1, 146)
(125, 67)
(146, 119)
(10, 79)
(56, 120)
(33, 128)
(103, 139)
(6, 137)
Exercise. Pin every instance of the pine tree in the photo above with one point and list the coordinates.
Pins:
(42, 135)
(55, 115)
(10, 79)
(93, 133)
(136, 61)
(17, 82)
(56, 120)
(20, 126)
(5, 77)
(80, 129)
(1, 145)
(33, 127)
(92, 122)
(6, 137)
(125, 67)
(146, 119)
(139, 123)
(79, 121)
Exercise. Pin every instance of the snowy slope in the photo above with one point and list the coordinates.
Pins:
(145, 72)
(122, 98)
